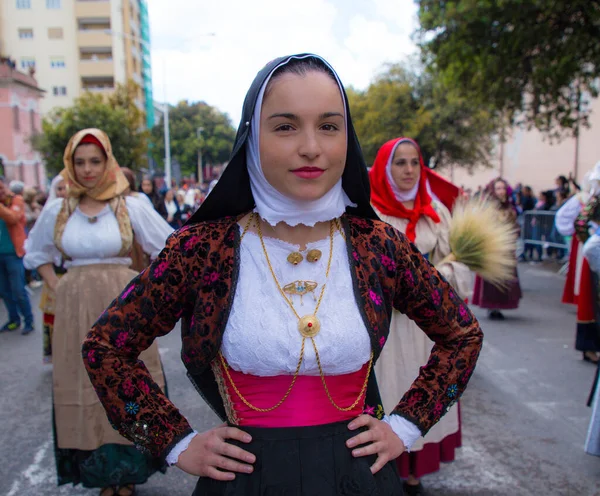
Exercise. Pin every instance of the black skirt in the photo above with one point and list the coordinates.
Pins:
(305, 461)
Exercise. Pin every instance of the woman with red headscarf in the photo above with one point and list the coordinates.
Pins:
(93, 230)
(416, 201)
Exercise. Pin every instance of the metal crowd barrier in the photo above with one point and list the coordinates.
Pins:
(538, 229)
(538, 234)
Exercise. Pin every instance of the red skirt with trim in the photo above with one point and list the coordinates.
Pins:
(428, 460)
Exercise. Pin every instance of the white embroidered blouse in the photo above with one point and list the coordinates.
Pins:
(88, 243)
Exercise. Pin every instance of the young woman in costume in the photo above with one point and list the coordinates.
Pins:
(93, 229)
(485, 294)
(409, 196)
(572, 219)
(285, 281)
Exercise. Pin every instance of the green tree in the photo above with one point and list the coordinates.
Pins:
(215, 141)
(406, 102)
(116, 114)
(531, 60)
(387, 109)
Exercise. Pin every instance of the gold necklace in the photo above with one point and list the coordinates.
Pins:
(301, 326)
(308, 325)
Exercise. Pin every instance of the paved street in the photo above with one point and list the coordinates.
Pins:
(524, 414)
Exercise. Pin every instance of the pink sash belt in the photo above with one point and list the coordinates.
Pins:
(306, 405)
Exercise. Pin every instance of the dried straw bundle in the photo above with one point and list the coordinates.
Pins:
(482, 239)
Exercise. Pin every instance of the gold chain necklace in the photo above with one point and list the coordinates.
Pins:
(306, 330)
(308, 325)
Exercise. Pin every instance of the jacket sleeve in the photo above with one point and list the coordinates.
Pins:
(15, 213)
(149, 307)
(423, 294)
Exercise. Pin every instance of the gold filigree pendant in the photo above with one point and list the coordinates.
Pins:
(301, 288)
(309, 326)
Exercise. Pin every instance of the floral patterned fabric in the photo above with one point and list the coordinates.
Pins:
(589, 213)
(194, 279)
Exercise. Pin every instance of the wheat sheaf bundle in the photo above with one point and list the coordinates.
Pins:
(483, 240)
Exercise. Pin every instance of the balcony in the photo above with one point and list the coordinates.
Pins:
(92, 8)
(93, 38)
(96, 68)
(98, 84)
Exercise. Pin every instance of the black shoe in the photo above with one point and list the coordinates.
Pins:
(496, 315)
(28, 329)
(410, 490)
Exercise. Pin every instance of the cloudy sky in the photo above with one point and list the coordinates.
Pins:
(355, 36)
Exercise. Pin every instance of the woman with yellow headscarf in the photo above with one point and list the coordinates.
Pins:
(93, 229)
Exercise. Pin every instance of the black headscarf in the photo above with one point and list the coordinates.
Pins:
(232, 196)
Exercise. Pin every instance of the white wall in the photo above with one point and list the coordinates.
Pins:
(116, 20)
(534, 161)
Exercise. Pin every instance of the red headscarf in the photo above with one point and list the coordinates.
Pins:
(385, 201)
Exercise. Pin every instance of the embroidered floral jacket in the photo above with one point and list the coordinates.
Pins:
(194, 278)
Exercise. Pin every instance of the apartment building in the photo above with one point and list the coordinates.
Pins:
(72, 46)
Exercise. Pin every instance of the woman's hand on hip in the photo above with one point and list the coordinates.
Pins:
(378, 440)
(210, 455)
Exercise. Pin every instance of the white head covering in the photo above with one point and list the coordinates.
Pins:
(52, 193)
(275, 207)
(594, 179)
(404, 196)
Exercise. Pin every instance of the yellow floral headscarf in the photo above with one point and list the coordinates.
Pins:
(113, 183)
(110, 188)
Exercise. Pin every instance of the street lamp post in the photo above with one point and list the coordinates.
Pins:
(167, 142)
(200, 173)
(167, 136)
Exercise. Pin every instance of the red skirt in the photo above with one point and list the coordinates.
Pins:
(485, 295)
(428, 460)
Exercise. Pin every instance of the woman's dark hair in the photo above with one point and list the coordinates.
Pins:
(548, 199)
(130, 177)
(563, 180)
(301, 67)
(147, 178)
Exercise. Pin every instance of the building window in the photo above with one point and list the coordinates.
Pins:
(16, 123)
(27, 63)
(23, 4)
(53, 4)
(57, 62)
(25, 33)
(55, 33)
(59, 90)
(32, 120)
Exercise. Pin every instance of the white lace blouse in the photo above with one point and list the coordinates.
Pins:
(89, 243)
(261, 336)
